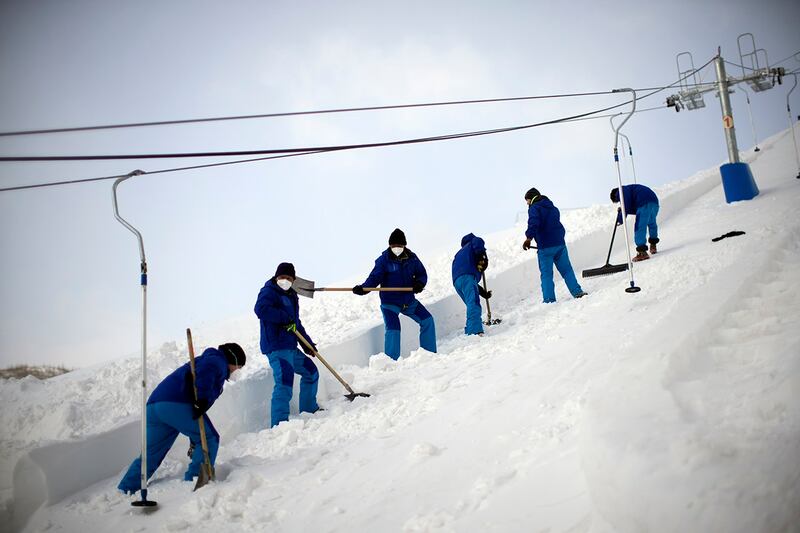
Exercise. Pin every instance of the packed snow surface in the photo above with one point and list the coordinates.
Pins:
(673, 409)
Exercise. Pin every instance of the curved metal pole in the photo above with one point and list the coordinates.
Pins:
(143, 280)
(752, 124)
(630, 148)
(791, 124)
(633, 287)
(122, 220)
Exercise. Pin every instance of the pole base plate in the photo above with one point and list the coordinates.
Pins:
(147, 506)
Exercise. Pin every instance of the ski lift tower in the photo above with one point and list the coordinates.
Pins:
(737, 178)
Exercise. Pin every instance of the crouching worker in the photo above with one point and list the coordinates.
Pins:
(172, 409)
(398, 266)
(470, 261)
(641, 201)
(278, 310)
(544, 226)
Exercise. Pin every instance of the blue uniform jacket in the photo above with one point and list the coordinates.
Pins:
(393, 271)
(277, 308)
(466, 259)
(636, 196)
(544, 224)
(211, 370)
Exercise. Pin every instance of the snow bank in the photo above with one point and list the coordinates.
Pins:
(348, 330)
(697, 427)
(48, 474)
(608, 413)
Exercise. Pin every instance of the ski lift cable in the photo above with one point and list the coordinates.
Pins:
(293, 113)
(731, 63)
(301, 113)
(309, 152)
(595, 117)
(340, 148)
(253, 160)
(315, 149)
(795, 55)
(239, 153)
(162, 171)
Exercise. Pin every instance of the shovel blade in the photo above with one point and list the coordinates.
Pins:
(303, 287)
(206, 475)
(493, 322)
(355, 395)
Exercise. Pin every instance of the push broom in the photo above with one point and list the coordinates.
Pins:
(608, 268)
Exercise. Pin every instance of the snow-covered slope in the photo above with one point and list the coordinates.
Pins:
(674, 409)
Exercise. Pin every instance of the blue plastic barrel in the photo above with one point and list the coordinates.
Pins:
(738, 182)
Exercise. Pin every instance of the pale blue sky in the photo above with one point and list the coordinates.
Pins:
(69, 287)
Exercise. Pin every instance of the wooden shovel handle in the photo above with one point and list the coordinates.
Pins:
(367, 289)
(323, 361)
(200, 421)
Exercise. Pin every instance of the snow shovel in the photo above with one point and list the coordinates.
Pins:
(607, 268)
(206, 468)
(305, 287)
(489, 321)
(352, 395)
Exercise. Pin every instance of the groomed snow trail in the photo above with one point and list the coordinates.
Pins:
(670, 410)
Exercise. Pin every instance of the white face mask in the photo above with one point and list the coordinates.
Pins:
(235, 375)
(284, 284)
(397, 250)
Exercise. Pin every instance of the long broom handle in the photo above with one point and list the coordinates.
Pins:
(200, 422)
(488, 308)
(324, 362)
(610, 246)
(367, 289)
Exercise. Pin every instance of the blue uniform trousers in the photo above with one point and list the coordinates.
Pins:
(556, 255)
(285, 364)
(165, 420)
(645, 221)
(391, 320)
(467, 288)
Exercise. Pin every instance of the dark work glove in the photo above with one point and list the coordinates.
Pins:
(526, 245)
(291, 327)
(483, 262)
(307, 350)
(619, 216)
(199, 407)
(418, 287)
(359, 289)
(484, 293)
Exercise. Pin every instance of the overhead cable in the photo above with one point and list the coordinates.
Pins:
(162, 171)
(295, 113)
(315, 149)
(795, 55)
(300, 113)
(296, 153)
